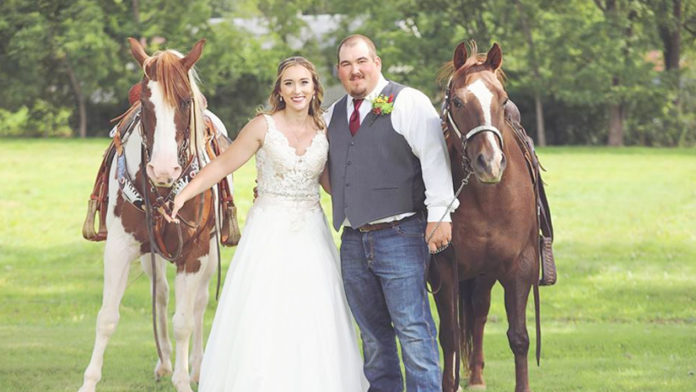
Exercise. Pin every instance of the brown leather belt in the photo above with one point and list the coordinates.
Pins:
(385, 225)
(377, 226)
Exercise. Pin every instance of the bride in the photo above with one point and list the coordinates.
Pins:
(282, 323)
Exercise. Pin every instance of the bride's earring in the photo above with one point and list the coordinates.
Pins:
(281, 98)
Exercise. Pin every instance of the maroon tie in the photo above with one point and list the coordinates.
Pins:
(354, 123)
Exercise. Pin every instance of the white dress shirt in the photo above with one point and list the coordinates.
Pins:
(415, 118)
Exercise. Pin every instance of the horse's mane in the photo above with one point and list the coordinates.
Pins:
(475, 59)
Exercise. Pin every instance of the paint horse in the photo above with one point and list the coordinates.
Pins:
(159, 146)
(495, 231)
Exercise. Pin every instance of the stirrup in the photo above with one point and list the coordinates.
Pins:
(548, 265)
(229, 232)
(88, 231)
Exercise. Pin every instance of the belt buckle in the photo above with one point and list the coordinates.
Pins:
(364, 228)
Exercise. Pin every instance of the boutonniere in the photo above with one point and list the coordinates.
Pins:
(383, 104)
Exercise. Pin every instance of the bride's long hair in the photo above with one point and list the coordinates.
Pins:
(276, 102)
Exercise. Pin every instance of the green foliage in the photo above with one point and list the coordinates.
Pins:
(43, 120)
(13, 124)
(584, 57)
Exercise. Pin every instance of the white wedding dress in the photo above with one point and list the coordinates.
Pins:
(282, 323)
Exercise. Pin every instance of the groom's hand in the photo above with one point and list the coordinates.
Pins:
(441, 238)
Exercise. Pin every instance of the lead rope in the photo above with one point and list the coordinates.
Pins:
(151, 235)
(466, 166)
(465, 181)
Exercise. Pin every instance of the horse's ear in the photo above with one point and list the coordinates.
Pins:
(494, 58)
(193, 55)
(460, 55)
(137, 51)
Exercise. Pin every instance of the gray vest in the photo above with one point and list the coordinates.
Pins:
(374, 174)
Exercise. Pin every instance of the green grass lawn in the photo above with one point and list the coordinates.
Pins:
(622, 316)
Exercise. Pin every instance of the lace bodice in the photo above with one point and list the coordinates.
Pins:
(283, 173)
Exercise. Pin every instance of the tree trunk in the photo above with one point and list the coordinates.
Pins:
(541, 132)
(615, 125)
(79, 98)
(670, 32)
(534, 63)
(669, 22)
(617, 111)
(136, 13)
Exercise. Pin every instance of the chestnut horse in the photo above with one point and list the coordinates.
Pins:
(155, 160)
(495, 234)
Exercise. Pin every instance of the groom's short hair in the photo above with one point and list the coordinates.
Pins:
(352, 40)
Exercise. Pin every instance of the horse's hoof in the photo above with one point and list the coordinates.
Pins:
(476, 387)
(163, 370)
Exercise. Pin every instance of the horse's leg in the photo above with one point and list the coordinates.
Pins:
(186, 289)
(119, 250)
(162, 369)
(480, 305)
(446, 299)
(201, 302)
(516, 294)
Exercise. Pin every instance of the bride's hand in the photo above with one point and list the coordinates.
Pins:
(176, 206)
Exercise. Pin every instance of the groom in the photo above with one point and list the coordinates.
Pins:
(391, 183)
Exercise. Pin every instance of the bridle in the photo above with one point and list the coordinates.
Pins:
(448, 123)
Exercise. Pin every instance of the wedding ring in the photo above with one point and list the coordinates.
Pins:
(440, 249)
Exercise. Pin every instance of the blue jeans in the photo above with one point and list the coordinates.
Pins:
(384, 278)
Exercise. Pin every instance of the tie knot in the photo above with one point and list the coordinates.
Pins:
(357, 102)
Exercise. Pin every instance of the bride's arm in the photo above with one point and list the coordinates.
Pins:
(324, 179)
(249, 140)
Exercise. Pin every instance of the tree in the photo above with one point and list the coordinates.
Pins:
(67, 38)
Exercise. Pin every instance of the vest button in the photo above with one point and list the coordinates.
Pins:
(347, 184)
(348, 163)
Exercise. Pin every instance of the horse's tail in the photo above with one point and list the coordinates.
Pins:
(466, 322)
(537, 320)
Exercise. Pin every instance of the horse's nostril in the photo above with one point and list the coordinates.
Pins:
(481, 161)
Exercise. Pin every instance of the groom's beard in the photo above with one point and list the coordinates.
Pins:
(357, 91)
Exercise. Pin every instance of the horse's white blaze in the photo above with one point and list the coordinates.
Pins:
(164, 159)
(485, 98)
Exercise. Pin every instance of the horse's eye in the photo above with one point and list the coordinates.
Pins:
(186, 103)
(457, 102)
